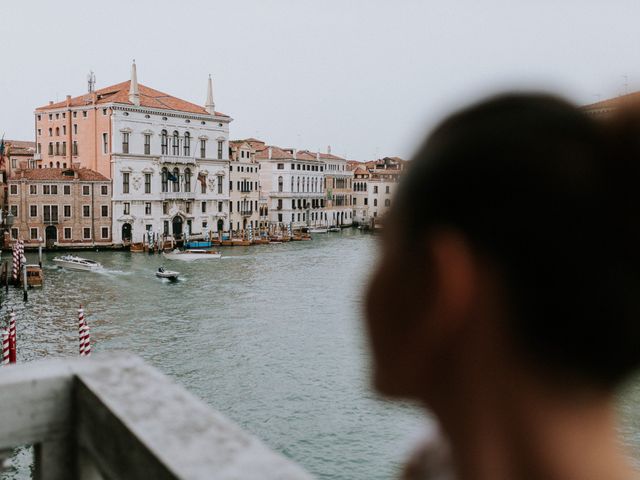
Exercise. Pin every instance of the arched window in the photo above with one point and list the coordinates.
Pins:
(164, 143)
(187, 144)
(279, 184)
(57, 164)
(176, 143)
(187, 179)
(165, 180)
(307, 184)
(176, 180)
(57, 131)
(292, 184)
(298, 185)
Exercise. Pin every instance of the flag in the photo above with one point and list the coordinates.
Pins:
(172, 177)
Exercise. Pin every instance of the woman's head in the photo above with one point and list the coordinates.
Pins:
(523, 208)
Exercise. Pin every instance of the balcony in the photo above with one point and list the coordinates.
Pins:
(177, 159)
(113, 416)
(177, 195)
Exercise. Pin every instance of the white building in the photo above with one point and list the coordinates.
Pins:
(169, 165)
(294, 184)
(338, 186)
(244, 184)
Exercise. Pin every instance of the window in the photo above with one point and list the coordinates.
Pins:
(203, 148)
(74, 148)
(125, 182)
(75, 114)
(147, 183)
(387, 189)
(50, 116)
(147, 208)
(33, 189)
(50, 132)
(230, 207)
(126, 206)
(104, 210)
(39, 132)
(86, 233)
(14, 163)
(219, 185)
(176, 180)
(104, 232)
(187, 207)
(66, 211)
(164, 143)
(220, 147)
(84, 114)
(375, 189)
(219, 206)
(39, 148)
(165, 208)
(203, 183)
(164, 179)
(86, 210)
(125, 142)
(57, 148)
(387, 202)
(147, 144)
(187, 144)
(281, 166)
(33, 233)
(176, 143)
(67, 230)
(50, 213)
(57, 131)
(14, 233)
(86, 190)
(187, 179)
(105, 143)
(204, 207)
(104, 190)
(50, 150)
(375, 202)
(33, 210)
(104, 111)
(280, 184)
(39, 117)
(13, 189)
(279, 204)
(366, 201)
(230, 186)
(75, 126)
(64, 129)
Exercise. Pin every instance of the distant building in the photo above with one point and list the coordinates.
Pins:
(605, 108)
(294, 184)
(244, 184)
(167, 157)
(374, 185)
(338, 181)
(64, 207)
(15, 152)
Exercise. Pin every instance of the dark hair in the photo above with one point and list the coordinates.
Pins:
(552, 198)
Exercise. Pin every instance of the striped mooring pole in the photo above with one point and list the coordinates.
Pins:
(84, 336)
(5, 347)
(12, 337)
(16, 262)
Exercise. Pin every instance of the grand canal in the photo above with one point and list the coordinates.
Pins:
(269, 335)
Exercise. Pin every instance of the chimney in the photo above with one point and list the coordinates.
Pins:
(134, 94)
(210, 106)
(329, 149)
(270, 152)
(50, 102)
(68, 100)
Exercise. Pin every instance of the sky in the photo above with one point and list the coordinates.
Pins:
(370, 78)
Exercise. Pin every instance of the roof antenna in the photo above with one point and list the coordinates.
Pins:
(91, 81)
(626, 84)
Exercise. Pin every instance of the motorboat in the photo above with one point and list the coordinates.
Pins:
(35, 276)
(73, 262)
(168, 274)
(192, 254)
(335, 229)
(318, 230)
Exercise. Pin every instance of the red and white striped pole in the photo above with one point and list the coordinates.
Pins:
(87, 340)
(5, 347)
(81, 325)
(12, 337)
(16, 260)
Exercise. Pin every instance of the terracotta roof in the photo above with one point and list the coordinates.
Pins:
(19, 147)
(616, 102)
(119, 93)
(57, 174)
(360, 171)
(276, 153)
(305, 155)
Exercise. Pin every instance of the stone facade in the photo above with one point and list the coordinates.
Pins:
(244, 184)
(63, 207)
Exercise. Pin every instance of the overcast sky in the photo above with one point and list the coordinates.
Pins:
(367, 77)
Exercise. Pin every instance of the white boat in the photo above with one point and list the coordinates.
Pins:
(335, 229)
(72, 262)
(318, 230)
(192, 254)
(168, 274)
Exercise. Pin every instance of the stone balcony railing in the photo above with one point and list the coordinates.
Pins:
(177, 159)
(114, 417)
(177, 195)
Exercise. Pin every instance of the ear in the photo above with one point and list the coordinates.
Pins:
(454, 287)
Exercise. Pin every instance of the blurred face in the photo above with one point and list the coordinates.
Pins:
(396, 312)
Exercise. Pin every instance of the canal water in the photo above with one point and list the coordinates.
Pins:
(269, 335)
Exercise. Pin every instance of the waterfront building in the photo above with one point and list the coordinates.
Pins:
(244, 185)
(374, 185)
(293, 182)
(66, 207)
(15, 152)
(167, 157)
(606, 108)
(338, 184)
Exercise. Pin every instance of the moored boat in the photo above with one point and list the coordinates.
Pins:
(192, 254)
(35, 276)
(171, 275)
(73, 262)
(335, 229)
(318, 230)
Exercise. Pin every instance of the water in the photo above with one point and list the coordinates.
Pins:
(269, 335)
